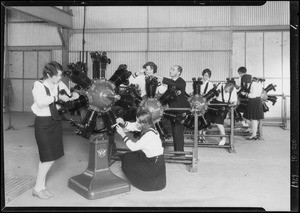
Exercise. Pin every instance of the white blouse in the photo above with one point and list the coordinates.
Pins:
(255, 90)
(40, 107)
(202, 87)
(141, 82)
(226, 95)
(150, 143)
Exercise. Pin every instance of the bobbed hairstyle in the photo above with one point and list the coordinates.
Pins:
(152, 65)
(208, 71)
(51, 69)
(242, 70)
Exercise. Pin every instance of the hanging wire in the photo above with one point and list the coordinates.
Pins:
(83, 33)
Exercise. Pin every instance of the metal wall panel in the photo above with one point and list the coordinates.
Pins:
(286, 54)
(220, 40)
(159, 16)
(110, 17)
(238, 52)
(32, 34)
(273, 54)
(189, 16)
(213, 40)
(254, 53)
(15, 64)
(110, 42)
(44, 57)
(30, 64)
(56, 55)
(271, 13)
(16, 100)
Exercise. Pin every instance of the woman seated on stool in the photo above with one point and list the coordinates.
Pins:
(145, 165)
(227, 95)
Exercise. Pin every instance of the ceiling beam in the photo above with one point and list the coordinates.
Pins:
(48, 14)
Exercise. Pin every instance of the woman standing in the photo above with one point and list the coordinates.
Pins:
(254, 111)
(47, 123)
(145, 166)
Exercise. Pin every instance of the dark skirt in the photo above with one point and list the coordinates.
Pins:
(48, 135)
(146, 174)
(218, 113)
(254, 110)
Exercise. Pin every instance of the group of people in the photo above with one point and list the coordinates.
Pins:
(248, 89)
(144, 166)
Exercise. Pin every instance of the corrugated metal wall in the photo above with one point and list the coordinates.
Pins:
(193, 37)
(110, 17)
(188, 16)
(271, 13)
(32, 34)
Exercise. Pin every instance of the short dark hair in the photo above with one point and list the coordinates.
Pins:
(206, 71)
(51, 69)
(152, 65)
(242, 70)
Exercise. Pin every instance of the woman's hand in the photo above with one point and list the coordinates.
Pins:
(120, 131)
(63, 98)
(120, 121)
(75, 96)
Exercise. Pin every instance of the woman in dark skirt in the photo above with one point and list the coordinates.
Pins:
(145, 165)
(47, 123)
(217, 114)
(254, 111)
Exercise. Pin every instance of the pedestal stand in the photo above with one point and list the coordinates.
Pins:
(98, 181)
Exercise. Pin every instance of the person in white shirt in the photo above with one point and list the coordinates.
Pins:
(254, 111)
(144, 166)
(207, 85)
(205, 88)
(139, 78)
(228, 95)
(48, 123)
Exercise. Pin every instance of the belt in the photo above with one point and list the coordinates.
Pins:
(155, 159)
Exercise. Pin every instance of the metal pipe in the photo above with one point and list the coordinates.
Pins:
(177, 161)
(177, 152)
(83, 32)
(231, 140)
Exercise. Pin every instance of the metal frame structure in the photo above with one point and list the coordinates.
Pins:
(283, 123)
(185, 157)
(170, 156)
